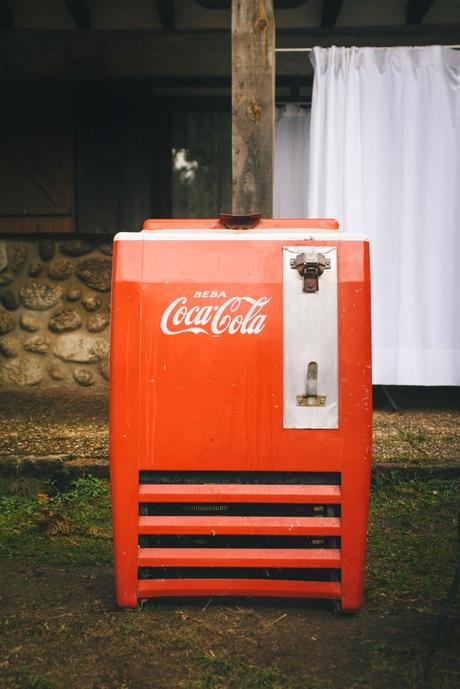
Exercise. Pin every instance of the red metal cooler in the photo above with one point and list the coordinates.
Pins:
(240, 410)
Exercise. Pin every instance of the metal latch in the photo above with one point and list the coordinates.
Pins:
(311, 397)
(310, 267)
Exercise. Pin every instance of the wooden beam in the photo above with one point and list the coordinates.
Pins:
(6, 15)
(253, 106)
(330, 10)
(416, 10)
(130, 54)
(34, 211)
(80, 13)
(166, 11)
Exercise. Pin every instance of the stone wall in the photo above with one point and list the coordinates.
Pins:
(55, 311)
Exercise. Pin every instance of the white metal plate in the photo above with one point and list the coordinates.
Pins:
(310, 334)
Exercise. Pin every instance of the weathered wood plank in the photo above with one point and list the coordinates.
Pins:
(37, 157)
(33, 211)
(201, 54)
(253, 106)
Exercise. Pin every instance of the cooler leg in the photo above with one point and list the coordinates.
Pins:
(355, 496)
(125, 519)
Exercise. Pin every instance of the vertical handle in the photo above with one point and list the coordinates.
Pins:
(311, 397)
(312, 379)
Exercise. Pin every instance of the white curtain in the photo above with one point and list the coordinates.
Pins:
(385, 160)
(292, 150)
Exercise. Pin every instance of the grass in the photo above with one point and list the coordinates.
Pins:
(411, 539)
(53, 527)
(414, 438)
(37, 682)
(226, 672)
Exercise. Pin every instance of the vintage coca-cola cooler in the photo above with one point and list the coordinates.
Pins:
(240, 410)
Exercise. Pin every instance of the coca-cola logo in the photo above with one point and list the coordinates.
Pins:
(234, 315)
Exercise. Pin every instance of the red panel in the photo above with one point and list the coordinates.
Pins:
(124, 418)
(284, 526)
(238, 557)
(148, 588)
(239, 493)
(216, 403)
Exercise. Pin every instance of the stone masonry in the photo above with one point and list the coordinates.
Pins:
(55, 311)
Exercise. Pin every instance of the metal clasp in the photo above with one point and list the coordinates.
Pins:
(311, 397)
(310, 267)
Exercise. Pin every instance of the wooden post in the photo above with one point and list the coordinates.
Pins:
(253, 106)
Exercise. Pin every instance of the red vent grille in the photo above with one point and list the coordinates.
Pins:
(204, 533)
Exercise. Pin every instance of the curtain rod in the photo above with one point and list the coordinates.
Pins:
(380, 47)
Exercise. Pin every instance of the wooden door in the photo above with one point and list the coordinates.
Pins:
(37, 159)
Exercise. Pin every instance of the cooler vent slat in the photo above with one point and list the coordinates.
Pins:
(198, 492)
(151, 588)
(288, 526)
(245, 557)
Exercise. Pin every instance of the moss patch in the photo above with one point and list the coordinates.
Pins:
(50, 527)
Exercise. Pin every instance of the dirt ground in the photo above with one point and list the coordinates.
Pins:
(38, 430)
(66, 633)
